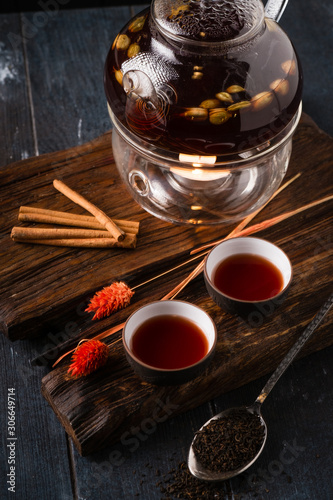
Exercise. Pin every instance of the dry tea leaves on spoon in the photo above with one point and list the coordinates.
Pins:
(229, 442)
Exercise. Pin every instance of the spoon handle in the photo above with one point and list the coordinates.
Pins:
(275, 8)
(295, 349)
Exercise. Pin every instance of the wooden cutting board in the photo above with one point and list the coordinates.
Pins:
(44, 289)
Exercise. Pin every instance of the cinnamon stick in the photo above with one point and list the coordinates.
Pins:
(76, 221)
(57, 216)
(36, 233)
(108, 223)
(128, 242)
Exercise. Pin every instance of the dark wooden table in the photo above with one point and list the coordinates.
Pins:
(52, 98)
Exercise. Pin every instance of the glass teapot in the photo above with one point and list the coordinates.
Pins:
(204, 97)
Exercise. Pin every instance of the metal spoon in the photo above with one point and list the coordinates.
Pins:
(200, 471)
(275, 8)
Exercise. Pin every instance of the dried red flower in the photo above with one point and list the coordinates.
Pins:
(107, 301)
(88, 357)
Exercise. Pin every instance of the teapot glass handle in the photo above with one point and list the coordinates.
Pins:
(275, 8)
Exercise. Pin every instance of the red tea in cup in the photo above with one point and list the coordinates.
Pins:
(248, 277)
(169, 342)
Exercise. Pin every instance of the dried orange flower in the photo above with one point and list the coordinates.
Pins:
(88, 357)
(110, 299)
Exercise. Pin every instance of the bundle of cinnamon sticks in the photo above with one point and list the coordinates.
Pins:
(90, 231)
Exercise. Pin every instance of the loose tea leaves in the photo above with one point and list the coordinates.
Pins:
(181, 484)
(230, 442)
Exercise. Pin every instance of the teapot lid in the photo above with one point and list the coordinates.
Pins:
(208, 21)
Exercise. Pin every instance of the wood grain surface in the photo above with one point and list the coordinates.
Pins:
(52, 98)
(99, 410)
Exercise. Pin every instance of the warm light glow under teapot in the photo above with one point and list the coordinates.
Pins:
(204, 97)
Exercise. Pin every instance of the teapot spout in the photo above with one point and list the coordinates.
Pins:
(275, 8)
